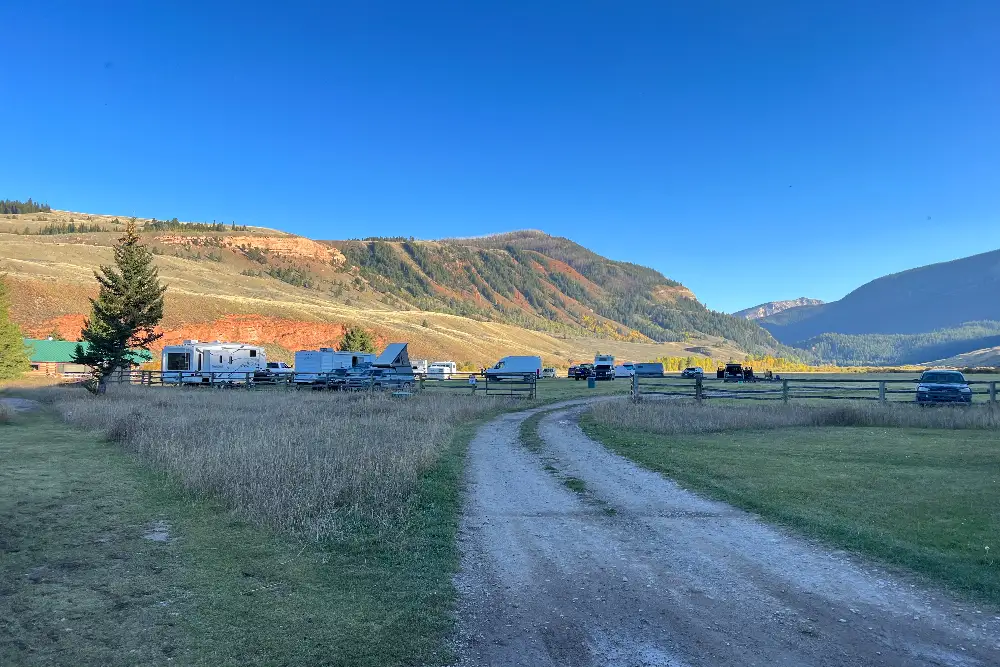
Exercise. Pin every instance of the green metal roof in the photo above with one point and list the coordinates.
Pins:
(60, 351)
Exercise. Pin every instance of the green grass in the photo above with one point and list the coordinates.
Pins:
(529, 432)
(927, 500)
(80, 585)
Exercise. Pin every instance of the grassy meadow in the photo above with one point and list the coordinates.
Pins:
(230, 528)
(919, 489)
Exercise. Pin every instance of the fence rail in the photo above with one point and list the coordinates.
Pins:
(523, 385)
(787, 389)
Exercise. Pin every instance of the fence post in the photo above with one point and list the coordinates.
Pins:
(249, 379)
(881, 391)
(635, 388)
(993, 392)
(698, 389)
(784, 390)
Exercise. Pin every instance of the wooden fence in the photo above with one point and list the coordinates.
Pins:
(522, 385)
(787, 389)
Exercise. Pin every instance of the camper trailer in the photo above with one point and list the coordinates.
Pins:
(441, 370)
(194, 362)
(419, 367)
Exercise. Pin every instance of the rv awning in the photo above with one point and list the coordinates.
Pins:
(394, 356)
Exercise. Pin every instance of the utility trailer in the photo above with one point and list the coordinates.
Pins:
(326, 365)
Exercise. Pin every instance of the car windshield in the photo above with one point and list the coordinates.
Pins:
(943, 378)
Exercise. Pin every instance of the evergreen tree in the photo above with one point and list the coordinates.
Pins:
(13, 354)
(126, 311)
(357, 339)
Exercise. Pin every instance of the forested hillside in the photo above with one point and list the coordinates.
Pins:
(546, 283)
(922, 300)
(899, 349)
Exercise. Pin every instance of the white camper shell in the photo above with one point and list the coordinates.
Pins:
(194, 362)
(441, 370)
(515, 368)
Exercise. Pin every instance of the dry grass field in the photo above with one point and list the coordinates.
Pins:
(230, 528)
(307, 463)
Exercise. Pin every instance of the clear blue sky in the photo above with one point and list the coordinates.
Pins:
(832, 142)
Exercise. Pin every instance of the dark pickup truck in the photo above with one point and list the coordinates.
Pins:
(943, 387)
(583, 371)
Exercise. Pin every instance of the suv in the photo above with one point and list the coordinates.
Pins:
(583, 371)
(943, 386)
(693, 372)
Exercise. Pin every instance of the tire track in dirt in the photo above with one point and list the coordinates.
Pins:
(553, 577)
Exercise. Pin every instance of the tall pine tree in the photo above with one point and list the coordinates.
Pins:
(126, 311)
(13, 355)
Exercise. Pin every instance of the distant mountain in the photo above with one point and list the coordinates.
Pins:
(775, 307)
(921, 300)
(931, 312)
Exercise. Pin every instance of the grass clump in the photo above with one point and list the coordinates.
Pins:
(317, 464)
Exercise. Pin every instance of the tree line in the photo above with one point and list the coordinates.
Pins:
(13, 207)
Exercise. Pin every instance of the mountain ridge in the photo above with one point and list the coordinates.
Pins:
(769, 308)
(455, 299)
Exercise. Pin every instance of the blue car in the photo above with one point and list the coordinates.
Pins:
(940, 386)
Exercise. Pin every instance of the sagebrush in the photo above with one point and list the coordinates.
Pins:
(690, 417)
(312, 463)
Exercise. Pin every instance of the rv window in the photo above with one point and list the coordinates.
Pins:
(253, 353)
(220, 358)
(499, 365)
(177, 361)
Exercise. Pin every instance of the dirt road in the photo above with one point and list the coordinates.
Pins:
(634, 570)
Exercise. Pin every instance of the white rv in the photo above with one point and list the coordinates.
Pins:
(315, 365)
(515, 368)
(194, 362)
(441, 370)
(419, 366)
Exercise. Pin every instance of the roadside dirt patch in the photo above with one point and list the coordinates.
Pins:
(549, 577)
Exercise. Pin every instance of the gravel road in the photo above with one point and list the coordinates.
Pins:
(634, 570)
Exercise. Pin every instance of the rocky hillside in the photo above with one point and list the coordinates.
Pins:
(774, 307)
(465, 300)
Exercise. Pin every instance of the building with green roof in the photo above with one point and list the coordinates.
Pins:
(55, 357)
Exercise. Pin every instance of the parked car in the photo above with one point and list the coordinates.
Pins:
(279, 368)
(649, 370)
(625, 370)
(548, 372)
(693, 372)
(572, 371)
(583, 371)
(943, 386)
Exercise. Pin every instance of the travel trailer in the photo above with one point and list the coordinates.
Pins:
(194, 362)
(313, 366)
(514, 368)
(441, 370)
